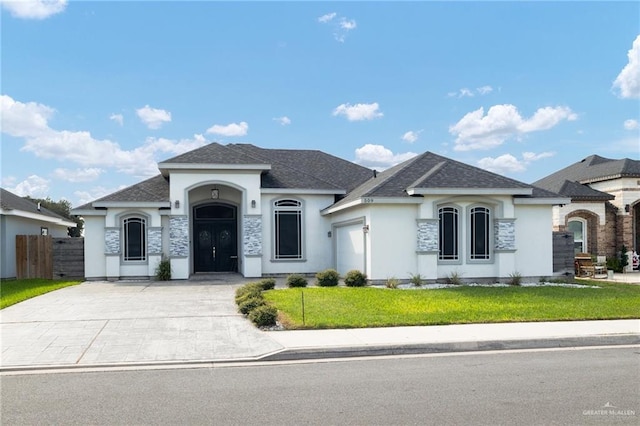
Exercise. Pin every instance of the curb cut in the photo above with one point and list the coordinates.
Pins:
(451, 347)
(299, 354)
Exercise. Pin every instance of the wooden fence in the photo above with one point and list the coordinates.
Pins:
(42, 256)
(563, 254)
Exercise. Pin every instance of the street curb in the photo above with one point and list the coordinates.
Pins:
(451, 347)
(300, 354)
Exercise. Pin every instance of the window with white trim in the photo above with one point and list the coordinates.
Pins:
(288, 229)
(480, 233)
(449, 224)
(135, 239)
(578, 227)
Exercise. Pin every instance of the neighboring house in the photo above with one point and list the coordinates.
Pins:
(604, 213)
(19, 216)
(271, 211)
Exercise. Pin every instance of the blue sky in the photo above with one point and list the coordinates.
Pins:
(94, 94)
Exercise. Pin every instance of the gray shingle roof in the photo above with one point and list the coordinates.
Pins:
(10, 201)
(155, 189)
(572, 180)
(432, 171)
(214, 153)
(306, 169)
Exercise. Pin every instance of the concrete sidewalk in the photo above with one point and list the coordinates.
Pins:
(101, 324)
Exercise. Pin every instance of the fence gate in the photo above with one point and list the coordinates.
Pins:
(563, 254)
(41, 256)
(33, 257)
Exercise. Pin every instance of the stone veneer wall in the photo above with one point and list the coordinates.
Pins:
(252, 239)
(112, 241)
(607, 232)
(504, 231)
(427, 235)
(154, 242)
(179, 236)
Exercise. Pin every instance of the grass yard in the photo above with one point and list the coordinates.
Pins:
(15, 291)
(349, 307)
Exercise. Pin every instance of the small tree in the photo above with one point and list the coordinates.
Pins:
(63, 208)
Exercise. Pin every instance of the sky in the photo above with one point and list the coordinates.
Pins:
(94, 94)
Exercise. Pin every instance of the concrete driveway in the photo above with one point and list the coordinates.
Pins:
(98, 323)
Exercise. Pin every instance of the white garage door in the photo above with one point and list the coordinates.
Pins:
(349, 248)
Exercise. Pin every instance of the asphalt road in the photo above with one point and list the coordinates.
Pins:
(584, 386)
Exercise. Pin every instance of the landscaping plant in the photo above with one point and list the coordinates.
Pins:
(296, 280)
(327, 278)
(355, 278)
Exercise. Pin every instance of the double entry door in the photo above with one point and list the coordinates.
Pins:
(215, 246)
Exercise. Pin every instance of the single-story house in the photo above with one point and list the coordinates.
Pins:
(19, 216)
(604, 213)
(263, 212)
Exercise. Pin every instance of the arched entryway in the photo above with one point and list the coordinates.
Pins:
(215, 238)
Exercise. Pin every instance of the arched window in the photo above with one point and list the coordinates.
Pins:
(448, 233)
(480, 238)
(135, 239)
(578, 227)
(288, 229)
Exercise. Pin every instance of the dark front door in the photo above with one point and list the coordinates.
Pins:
(215, 245)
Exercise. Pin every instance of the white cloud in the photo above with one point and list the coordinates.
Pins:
(358, 112)
(118, 118)
(84, 197)
(466, 92)
(29, 121)
(484, 90)
(23, 119)
(233, 129)
(377, 156)
(631, 124)
(628, 81)
(78, 175)
(33, 186)
(507, 163)
(327, 18)
(477, 131)
(153, 118)
(341, 26)
(34, 9)
(411, 136)
(284, 120)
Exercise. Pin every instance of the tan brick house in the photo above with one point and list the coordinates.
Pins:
(604, 213)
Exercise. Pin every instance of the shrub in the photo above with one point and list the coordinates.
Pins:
(250, 304)
(355, 278)
(515, 278)
(327, 278)
(248, 290)
(392, 282)
(296, 280)
(454, 278)
(416, 279)
(613, 263)
(267, 283)
(163, 270)
(264, 316)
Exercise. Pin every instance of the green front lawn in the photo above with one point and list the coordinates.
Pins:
(348, 307)
(14, 291)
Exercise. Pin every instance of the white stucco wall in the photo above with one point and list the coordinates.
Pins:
(392, 236)
(316, 242)
(534, 239)
(95, 262)
(10, 226)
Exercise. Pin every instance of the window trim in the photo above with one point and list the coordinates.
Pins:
(288, 206)
(144, 235)
(489, 243)
(458, 258)
(584, 241)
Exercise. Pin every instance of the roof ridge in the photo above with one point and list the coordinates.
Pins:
(435, 169)
(386, 175)
(293, 168)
